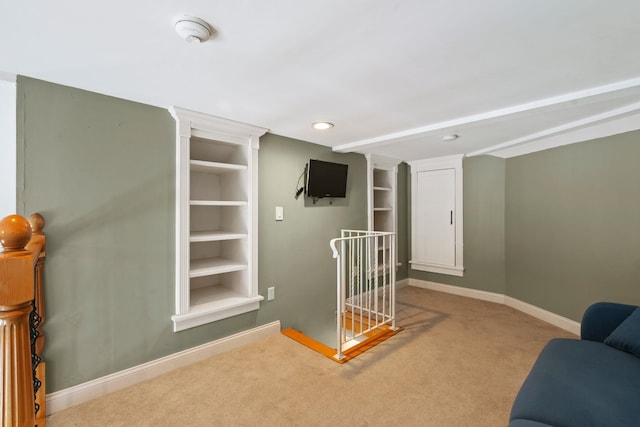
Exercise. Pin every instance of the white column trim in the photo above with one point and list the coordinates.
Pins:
(8, 147)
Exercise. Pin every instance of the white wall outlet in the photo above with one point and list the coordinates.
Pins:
(271, 293)
(279, 213)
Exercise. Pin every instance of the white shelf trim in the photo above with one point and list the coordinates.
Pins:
(210, 266)
(213, 236)
(207, 315)
(217, 203)
(216, 298)
(215, 167)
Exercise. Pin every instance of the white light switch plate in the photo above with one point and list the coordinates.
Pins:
(279, 213)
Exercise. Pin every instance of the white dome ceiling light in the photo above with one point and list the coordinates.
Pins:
(192, 29)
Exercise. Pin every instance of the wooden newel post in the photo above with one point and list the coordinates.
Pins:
(37, 246)
(16, 297)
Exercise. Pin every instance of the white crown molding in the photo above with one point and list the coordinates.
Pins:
(601, 130)
(614, 121)
(382, 161)
(90, 390)
(192, 122)
(367, 144)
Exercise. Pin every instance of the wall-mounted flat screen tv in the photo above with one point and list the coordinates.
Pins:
(326, 179)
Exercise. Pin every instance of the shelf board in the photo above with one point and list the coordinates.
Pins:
(212, 303)
(211, 298)
(218, 203)
(213, 236)
(375, 188)
(210, 266)
(214, 167)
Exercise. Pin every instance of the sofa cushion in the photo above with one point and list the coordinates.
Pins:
(580, 383)
(626, 337)
(601, 318)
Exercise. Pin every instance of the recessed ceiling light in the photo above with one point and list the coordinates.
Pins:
(451, 137)
(322, 125)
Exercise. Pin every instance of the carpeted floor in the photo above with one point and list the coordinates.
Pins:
(459, 362)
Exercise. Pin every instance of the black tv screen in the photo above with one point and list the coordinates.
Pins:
(326, 179)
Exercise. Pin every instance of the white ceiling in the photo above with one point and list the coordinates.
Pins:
(394, 76)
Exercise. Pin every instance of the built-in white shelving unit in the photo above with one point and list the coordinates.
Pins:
(216, 222)
(382, 177)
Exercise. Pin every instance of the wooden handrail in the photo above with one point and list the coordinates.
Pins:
(21, 302)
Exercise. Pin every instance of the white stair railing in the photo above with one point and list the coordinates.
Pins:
(366, 284)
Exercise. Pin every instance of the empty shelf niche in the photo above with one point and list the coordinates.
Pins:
(382, 179)
(220, 291)
(383, 220)
(218, 187)
(217, 151)
(211, 223)
(218, 256)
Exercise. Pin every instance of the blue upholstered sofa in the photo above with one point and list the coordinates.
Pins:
(594, 381)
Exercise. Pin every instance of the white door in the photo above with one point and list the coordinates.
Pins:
(435, 221)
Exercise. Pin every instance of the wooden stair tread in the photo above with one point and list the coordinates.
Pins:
(317, 346)
(374, 338)
(353, 319)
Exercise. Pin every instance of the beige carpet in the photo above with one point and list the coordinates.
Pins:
(459, 362)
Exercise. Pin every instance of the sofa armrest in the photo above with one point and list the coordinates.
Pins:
(601, 318)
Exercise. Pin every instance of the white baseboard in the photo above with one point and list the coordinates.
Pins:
(402, 283)
(93, 389)
(547, 316)
(537, 312)
(457, 290)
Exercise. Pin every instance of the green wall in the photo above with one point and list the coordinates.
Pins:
(558, 229)
(573, 225)
(102, 170)
(294, 254)
(404, 220)
(484, 231)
